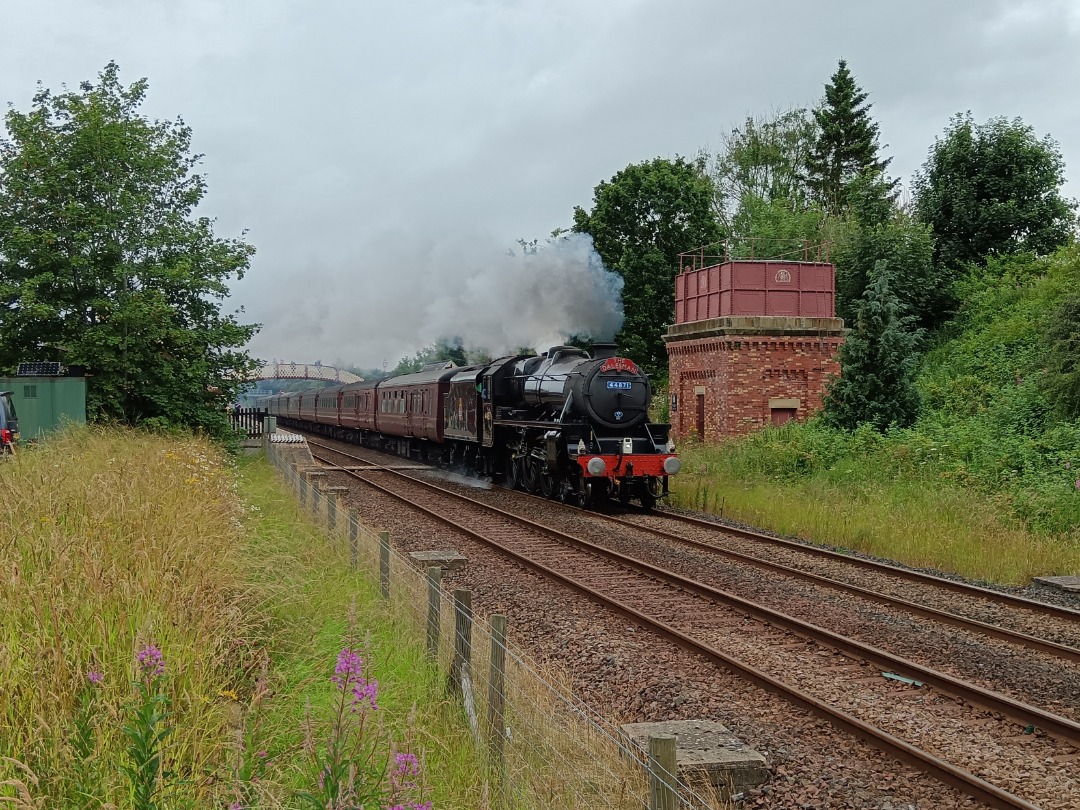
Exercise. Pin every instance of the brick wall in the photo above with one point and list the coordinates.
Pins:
(750, 371)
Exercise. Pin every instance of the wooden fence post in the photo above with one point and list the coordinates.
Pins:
(497, 689)
(303, 493)
(662, 770)
(354, 538)
(462, 635)
(384, 564)
(434, 610)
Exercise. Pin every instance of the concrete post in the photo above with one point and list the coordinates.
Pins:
(384, 564)
(332, 501)
(354, 538)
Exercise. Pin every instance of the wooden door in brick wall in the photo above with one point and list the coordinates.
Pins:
(781, 416)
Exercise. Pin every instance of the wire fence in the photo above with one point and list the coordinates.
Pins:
(542, 746)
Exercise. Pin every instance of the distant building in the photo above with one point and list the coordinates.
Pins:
(753, 343)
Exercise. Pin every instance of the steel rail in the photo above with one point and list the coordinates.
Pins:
(964, 588)
(943, 771)
(884, 568)
(974, 625)
(1022, 713)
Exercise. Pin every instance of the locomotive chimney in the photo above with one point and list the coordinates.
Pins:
(602, 351)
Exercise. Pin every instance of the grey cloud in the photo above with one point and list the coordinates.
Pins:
(364, 145)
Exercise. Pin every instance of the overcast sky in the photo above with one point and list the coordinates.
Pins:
(375, 151)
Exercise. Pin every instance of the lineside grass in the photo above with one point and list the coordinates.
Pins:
(121, 551)
(873, 503)
(315, 600)
(108, 541)
(111, 541)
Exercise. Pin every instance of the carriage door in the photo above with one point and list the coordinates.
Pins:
(699, 399)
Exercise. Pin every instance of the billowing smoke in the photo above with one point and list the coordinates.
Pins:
(398, 296)
(507, 300)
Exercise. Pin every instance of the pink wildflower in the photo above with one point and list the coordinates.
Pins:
(348, 676)
(406, 769)
(95, 677)
(150, 661)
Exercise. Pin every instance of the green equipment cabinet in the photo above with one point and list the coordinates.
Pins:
(45, 403)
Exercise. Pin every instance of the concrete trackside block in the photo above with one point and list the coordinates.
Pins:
(709, 749)
(1071, 584)
(447, 559)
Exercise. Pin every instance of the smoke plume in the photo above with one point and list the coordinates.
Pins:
(471, 289)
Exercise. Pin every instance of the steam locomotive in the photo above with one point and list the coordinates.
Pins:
(564, 424)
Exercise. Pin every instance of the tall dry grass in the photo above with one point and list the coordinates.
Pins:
(110, 540)
(920, 521)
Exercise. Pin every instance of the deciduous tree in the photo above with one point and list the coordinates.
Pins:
(993, 189)
(764, 159)
(640, 221)
(103, 264)
(1062, 378)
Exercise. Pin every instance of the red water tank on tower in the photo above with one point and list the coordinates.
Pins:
(754, 341)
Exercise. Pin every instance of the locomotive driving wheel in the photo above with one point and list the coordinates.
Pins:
(533, 475)
(549, 485)
(651, 490)
(513, 471)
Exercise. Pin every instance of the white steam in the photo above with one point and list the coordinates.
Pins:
(500, 302)
(401, 296)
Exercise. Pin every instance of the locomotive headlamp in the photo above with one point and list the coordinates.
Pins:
(672, 465)
(581, 447)
(596, 466)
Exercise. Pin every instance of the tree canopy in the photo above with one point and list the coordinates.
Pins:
(1062, 378)
(991, 190)
(846, 145)
(641, 220)
(762, 200)
(103, 265)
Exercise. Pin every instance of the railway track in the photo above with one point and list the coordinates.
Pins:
(645, 522)
(757, 642)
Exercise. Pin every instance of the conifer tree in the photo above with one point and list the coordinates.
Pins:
(847, 143)
(877, 362)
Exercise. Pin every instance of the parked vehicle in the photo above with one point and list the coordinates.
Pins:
(9, 424)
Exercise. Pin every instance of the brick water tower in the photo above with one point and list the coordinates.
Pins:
(753, 343)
